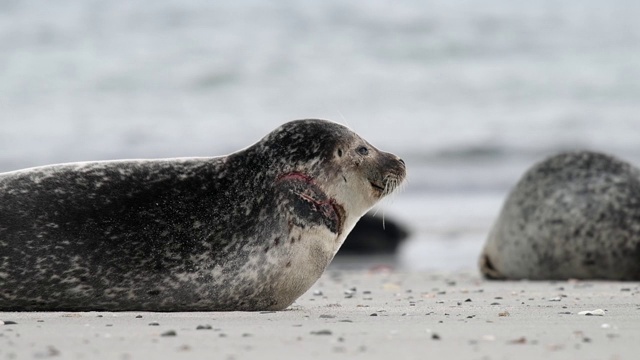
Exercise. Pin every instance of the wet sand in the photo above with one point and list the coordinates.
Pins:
(373, 313)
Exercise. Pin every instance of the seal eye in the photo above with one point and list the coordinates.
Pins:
(339, 152)
(363, 150)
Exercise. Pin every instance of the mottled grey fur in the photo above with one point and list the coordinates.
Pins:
(574, 215)
(179, 234)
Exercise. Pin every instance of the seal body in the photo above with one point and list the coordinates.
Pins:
(574, 215)
(249, 231)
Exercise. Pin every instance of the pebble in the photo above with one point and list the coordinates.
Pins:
(317, 292)
(520, 340)
(169, 333)
(154, 324)
(596, 312)
(322, 332)
(204, 327)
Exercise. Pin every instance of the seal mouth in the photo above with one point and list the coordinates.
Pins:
(378, 188)
(386, 186)
(312, 202)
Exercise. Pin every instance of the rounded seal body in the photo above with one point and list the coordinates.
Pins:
(574, 215)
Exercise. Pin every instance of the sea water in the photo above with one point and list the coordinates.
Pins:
(469, 93)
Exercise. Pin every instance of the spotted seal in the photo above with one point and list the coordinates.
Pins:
(574, 215)
(249, 231)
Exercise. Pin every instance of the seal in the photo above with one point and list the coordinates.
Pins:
(574, 215)
(249, 231)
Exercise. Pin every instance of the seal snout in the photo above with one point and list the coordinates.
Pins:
(392, 171)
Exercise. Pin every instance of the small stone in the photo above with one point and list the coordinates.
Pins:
(246, 335)
(169, 333)
(596, 312)
(520, 340)
(468, 300)
(138, 316)
(109, 325)
(322, 332)
(349, 292)
(504, 314)
(324, 316)
(435, 336)
(374, 314)
(557, 298)
(9, 322)
(154, 324)
(488, 337)
(204, 327)
(317, 293)
(495, 303)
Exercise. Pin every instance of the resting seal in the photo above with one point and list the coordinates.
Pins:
(574, 215)
(249, 231)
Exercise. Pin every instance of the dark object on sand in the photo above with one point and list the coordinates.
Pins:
(373, 236)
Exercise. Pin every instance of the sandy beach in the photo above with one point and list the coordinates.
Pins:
(371, 312)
